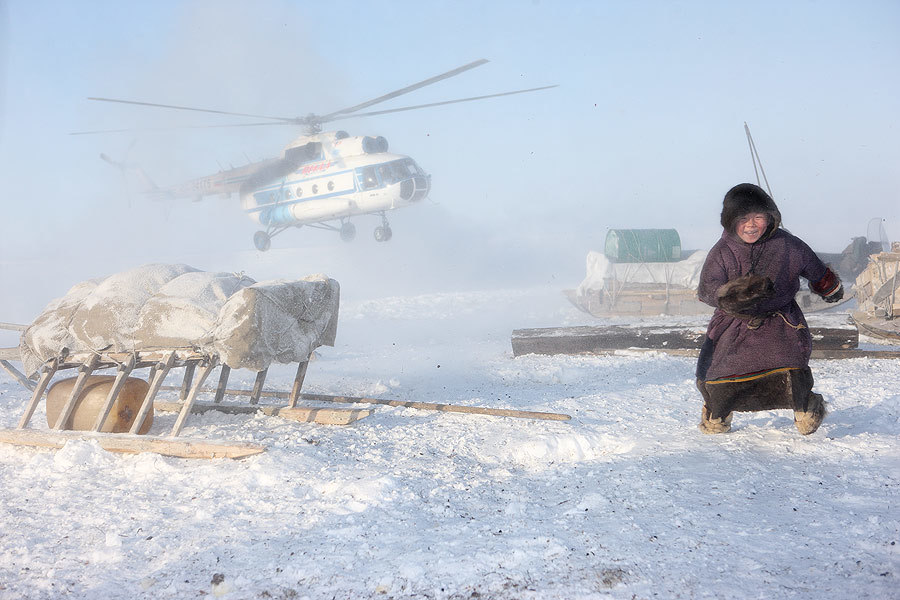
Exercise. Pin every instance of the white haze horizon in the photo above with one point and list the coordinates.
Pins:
(627, 499)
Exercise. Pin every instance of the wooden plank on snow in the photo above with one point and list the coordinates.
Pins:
(125, 442)
(304, 414)
(593, 340)
(456, 408)
(816, 354)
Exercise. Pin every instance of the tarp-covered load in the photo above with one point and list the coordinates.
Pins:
(246, 324)
(644, 288)
(642, 245)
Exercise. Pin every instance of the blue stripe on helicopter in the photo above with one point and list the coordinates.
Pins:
(279, 203)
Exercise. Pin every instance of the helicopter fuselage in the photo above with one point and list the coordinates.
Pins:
(338, 184)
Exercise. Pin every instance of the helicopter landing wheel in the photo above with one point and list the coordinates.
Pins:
(262, 241)
(348, 232)
(383, 233)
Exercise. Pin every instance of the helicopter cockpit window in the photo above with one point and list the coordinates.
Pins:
(400, 170)
(412, 166)
(369, 180)
(387, 174)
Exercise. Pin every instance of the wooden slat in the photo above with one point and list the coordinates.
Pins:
(47, 374)
(258, 386)
(305, 414)
(159, 373)
(192, 396)
(17, 375)
(123, 442)
(83, 373)
(189, 369)
(223, 382)
(298, 383)
(123, 372)
(586, 339)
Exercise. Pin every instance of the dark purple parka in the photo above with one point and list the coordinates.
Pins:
(738, 348)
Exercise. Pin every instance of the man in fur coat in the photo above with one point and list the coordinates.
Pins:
(757, 347)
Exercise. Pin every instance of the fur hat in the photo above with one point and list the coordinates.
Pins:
(746, 198)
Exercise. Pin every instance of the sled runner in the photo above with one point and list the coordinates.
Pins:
(828, 343)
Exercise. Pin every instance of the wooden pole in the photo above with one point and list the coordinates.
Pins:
(83, 373)
(223, 382)
(258, 386)
(159, 372)
(188, 379)
(124, 442)
(186, 410)
(298, 383)
(18, 375)
(474, 410)
(43, 382)
(124, 371)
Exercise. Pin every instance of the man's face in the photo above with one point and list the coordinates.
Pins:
(750, 227)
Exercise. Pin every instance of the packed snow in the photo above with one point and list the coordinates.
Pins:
(626, 500)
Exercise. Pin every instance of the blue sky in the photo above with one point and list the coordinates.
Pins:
(645, 130)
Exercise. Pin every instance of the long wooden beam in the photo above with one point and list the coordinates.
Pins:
(303, 414)
(588, 339)
(816, 354)
(124, 442)
(456, 408)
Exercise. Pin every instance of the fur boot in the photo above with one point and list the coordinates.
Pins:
(720, 425)
(808, 421)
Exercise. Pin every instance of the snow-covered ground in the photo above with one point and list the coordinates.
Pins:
(626, 500)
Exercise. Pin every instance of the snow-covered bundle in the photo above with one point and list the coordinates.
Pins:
(603, 273)
(247, 324)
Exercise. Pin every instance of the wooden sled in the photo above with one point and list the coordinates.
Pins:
(160, 362)
(197, 368)
(828, 343)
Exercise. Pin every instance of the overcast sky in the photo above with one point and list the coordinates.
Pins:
(645, 130)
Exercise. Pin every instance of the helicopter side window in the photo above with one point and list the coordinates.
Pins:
(369, 180)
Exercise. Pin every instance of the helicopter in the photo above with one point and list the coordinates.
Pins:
(321, 179)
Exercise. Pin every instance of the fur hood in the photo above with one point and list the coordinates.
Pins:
(746, 198)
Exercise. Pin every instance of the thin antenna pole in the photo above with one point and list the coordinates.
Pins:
(752, 156)
(755, 156)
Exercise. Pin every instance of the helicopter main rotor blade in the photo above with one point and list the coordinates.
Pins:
(96, 131)
(332, 116)
(391, 110)
(206, 110)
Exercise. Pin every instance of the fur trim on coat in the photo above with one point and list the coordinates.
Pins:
(746, 198)
(742, 294)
